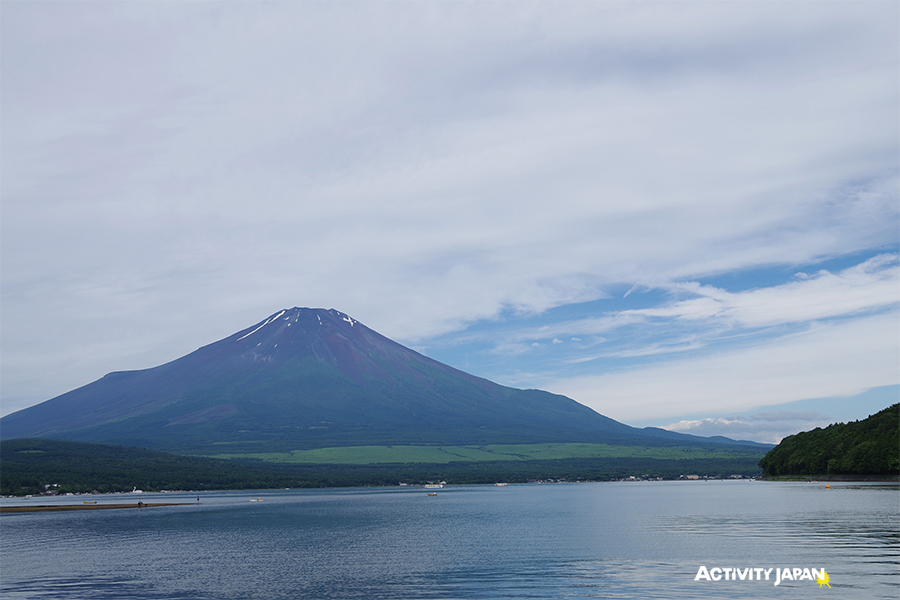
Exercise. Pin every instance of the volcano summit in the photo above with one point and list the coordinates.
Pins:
(311, 378)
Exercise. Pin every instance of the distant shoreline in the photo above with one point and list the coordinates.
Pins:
(891, 478)
(52, 507)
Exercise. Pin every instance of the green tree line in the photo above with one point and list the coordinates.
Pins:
(867, 447)
(28, 466)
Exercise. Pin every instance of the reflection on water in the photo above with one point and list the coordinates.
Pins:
(610, 540)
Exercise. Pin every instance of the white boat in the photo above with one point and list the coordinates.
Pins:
(256, 499)
(501, 484)
(433, 486)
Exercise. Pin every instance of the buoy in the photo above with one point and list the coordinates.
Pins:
(827, 486)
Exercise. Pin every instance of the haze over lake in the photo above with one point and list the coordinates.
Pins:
(607, 540)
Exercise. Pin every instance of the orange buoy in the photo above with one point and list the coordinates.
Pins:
(827, 486)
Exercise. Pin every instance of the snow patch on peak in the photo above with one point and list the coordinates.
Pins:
(269, 320)
(343, 316)
(292, 315)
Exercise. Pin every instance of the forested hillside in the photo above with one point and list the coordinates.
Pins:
(29, 465)
(867, 447)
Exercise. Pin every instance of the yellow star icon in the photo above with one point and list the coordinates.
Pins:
(823, 580)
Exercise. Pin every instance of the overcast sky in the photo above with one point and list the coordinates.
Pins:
(679, 214)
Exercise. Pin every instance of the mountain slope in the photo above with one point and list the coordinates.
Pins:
(310, 378)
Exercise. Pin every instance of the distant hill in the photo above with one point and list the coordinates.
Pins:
(867, 447)
(312, 378)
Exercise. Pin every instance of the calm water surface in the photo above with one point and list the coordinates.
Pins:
(551, 541)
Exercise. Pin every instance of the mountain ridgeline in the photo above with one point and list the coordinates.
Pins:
(313, 378)
(870, 447)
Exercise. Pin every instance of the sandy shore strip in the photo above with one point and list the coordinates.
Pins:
(56, 507)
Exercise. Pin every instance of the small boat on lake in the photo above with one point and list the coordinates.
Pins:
(256, 499)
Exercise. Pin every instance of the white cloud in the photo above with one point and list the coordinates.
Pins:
(836, 359)
(766, 427)
(871, 285)
(190, 168)
(716, 314)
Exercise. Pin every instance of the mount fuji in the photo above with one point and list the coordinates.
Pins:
(308, 378)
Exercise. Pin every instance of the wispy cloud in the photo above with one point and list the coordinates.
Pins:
(836, 359)
(713, 315)
(871, 285)
(653, 349)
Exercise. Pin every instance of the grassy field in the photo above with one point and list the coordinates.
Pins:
(370, 455)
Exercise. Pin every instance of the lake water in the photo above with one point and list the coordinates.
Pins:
(553, 541)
